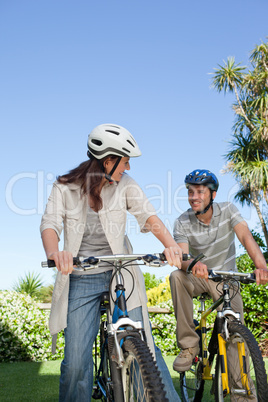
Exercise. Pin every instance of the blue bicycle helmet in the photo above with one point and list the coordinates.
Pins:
(204, 177)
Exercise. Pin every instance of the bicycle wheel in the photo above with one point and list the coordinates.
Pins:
(104, 389)
(140, 376)
(191, 382)
(253, 366)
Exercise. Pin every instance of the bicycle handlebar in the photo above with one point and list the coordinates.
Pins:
(154, 260)
(244, 277)
(218, 275)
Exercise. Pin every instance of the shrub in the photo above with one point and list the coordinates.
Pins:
(165, 331)
(159, 294)
(255, 301)
(24, 333)
(164, 326)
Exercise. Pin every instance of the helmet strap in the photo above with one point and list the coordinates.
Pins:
(207, 207)
(108, 176)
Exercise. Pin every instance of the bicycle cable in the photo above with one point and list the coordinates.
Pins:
(233, 286)
(113, 276)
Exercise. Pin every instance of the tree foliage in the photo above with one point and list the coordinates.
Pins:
(151, 281)
(30, 284)
(247, 158)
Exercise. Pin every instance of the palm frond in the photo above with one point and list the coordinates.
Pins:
(228, 75)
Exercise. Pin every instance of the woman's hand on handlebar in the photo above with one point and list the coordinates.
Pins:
(200, 270)
(63, 261)
(173, 256)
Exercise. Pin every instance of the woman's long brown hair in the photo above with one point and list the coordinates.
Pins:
(88, 175)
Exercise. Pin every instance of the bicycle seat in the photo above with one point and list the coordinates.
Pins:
(204, 296)
(105, 298)
(104, 302)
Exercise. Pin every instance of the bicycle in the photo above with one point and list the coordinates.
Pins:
(127, 371)
(245, 377)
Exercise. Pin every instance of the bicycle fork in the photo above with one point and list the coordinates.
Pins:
(223, 337)
(117, 329)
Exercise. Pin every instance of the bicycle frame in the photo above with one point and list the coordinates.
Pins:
(120, 318)
(222, 336)
(118, 325)
(203, 329)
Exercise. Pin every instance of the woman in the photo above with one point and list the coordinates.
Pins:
(91, 203)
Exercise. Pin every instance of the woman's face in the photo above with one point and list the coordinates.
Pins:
(118, 173)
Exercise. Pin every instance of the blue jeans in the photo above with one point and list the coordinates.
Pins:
(76, 380)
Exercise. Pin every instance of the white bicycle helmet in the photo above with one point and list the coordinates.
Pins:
(111, 139)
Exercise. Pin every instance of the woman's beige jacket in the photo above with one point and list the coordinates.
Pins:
(67, 209)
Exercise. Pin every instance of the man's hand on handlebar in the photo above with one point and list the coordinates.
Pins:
(261, 276)
(63, 261)
(200, 270)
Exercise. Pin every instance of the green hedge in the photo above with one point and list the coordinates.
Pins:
(255, 301)
(164, 326)
(24, 333)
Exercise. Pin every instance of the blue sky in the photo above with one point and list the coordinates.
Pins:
(68, 66)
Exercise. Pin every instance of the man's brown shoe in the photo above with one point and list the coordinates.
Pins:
(185, 358)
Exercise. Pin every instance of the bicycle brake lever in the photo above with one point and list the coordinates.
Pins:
(89, 263)
(212, 275)
(154, 260)
(195, 260)
(250, 279)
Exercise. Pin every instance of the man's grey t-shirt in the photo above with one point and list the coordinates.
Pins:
(216, 240)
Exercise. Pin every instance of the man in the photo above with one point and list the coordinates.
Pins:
(209, 228)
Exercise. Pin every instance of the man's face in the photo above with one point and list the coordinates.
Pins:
(199, 197)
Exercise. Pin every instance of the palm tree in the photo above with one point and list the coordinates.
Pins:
(31, 284)
(250, 169)
(229, 78)
(247, 159)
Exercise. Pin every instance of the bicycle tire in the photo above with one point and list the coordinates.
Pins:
(253, 366)
(141, 379)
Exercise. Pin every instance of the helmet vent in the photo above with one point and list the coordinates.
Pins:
(112, 125)
(125, 149)
(112, 131)
(96, 142)
(130, 143)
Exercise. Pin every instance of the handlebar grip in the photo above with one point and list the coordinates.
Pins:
(48, 264)
(51, 263)
(162, 257)
(185, 257)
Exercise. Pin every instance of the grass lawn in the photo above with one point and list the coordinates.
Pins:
(37, 382)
